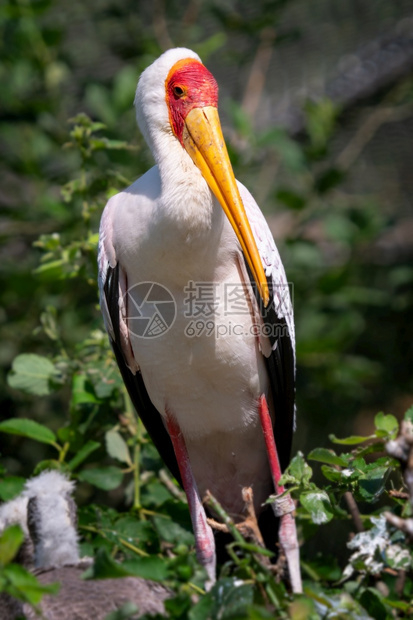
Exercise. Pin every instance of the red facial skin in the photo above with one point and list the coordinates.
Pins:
(189, 85)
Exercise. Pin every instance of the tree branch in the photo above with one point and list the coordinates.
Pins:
(160, 27)
(367, 131)
(354, 511)
(259, 68)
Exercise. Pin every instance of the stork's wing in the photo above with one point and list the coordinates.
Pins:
(113, 286)
(278, 322)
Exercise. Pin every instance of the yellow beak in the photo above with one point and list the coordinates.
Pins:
(205, 143)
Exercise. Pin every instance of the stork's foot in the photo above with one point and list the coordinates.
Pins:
(283, 506)
(287, 534)
(249, 526)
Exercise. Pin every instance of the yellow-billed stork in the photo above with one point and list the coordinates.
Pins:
(196, 304)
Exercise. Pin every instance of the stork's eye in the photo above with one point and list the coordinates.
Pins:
(178, 91)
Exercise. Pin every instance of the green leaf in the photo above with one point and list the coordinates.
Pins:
(106, 478)
(350, 441)
(298, 472)
(408, 416)
(182, 566)
(152, 567)
(373, 448)
(329, 179)
(93, 239)
(82, 120)
(317, 503)
(116, 447)
(340, 228)
(372, 484)
(128, 610)
(172, 532)
(323, 455)
(32, 374)
(288, 150)
(82, 391)
(48, 464)
(323, 568)
(105, 567)
(302, 608)
(210, 44)
(139, 533)
(372, 603)
(10, 487)
(155, 494)
(291, 199)
(331, 473)
(48, 242)
(28, 428)
(400, 605)
(320, 120)
(202, 610)
(51, 270)
(229, 598)
(387, 423)
(10, 542)
(24, 586)
(106, 143)
(48, 319)
(178, 606)
(105, 378)
(83, 453)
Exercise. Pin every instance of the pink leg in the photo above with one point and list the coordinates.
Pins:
(287, 533)
(204, 538)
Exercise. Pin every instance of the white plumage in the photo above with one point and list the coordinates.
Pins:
(52, 519)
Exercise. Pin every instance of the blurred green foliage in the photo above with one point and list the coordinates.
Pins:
(64, 404)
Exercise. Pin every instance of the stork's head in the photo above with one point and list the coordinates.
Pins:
(177, 99)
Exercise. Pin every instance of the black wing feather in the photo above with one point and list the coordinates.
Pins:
(147, 412)
(281, 371)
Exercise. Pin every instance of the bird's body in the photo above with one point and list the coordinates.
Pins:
(198, 383)
(211, 381)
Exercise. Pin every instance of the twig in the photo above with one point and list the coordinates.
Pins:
(224, 516)
(239, 531)
(354, 511)
(399, 494)
(260, 65)
(216, 525)
(400, 582)
(367, 131)
(249, 527)
(405, 525)
(191, 14)
(172, 488)
(251, 522)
